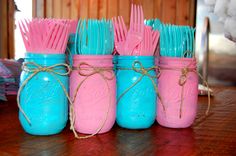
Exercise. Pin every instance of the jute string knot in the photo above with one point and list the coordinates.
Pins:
(183, 76)
(87, 70)
(138, 67)
(35, 68)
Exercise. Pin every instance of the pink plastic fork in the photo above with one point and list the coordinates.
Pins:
(73, 26)
(56, 38)
(45, 35)
(148, 44)
(136, 30)
(120, 33)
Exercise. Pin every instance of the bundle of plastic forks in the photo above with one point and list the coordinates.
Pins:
(94, 37)
(177, 41)
(139, 39)
(46, 36)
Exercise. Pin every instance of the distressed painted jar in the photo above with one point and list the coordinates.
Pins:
(136, 105)
(178, 87)
(95, 100)
(42, 98)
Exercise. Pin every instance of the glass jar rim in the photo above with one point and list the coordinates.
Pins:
(46, 56)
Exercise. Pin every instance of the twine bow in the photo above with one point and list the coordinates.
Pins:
(87, 70)
(34, 68)
(144, 72)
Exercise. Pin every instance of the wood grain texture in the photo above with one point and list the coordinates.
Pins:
(7, 26)
(192, 12)
(148, 7)
(41, 8)
(93, 8)
(57, 9)
(124, 10)
(112, 9)
(3, 26)
(171, 11)
(182, 12)
(102, 9)
(157, 10)
(49, 8)
(214, 134)
(66, 7)
(84, 8)
(74, 11)
(11, 28)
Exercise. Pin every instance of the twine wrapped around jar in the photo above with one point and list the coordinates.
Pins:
(144, 72)
(136, 91)
(93, 109)
(83, 66)
(37, 69)
(183, 79)
(178, 86)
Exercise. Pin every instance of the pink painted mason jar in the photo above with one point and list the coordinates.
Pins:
(95, 100)
(178, 88)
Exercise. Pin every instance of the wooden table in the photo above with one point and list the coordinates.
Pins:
(211, 135)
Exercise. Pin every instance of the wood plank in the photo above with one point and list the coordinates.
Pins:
(40, 9)
(49, 8)
(74, 11)
(192, 13)
(102, 9)
(169, 11)
(34, 8)
(124, 10)
(112, 8)
(3, 26)
(84, 7)
(148, 7)
(157, 11)
(66, 6)
(10, 29)
(93, 8)
(182, 12)
(57, 8)
(137, 2)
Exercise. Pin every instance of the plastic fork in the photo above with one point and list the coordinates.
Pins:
(73, 25)
(136, 30)
(61, 39)
(57, 38)
(120, 33)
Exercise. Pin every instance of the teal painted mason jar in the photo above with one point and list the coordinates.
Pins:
(136, 91)
(42, 97)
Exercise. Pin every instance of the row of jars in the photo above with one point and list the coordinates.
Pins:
(132, 91)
